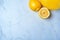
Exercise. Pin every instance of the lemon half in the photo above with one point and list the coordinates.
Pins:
(44, 13)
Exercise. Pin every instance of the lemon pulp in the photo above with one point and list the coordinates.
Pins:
(44, 13)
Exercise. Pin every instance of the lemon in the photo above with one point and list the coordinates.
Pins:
(34, 5)
(51, 4)
(44, 13)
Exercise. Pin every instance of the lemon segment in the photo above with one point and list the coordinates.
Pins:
(44, 13)
(34, 5)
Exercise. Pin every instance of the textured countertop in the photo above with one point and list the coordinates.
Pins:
(18, 22)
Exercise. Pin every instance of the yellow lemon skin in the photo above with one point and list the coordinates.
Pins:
(44, 13)
(34, 5)
(51, 4)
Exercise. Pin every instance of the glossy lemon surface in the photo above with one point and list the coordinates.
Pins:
(51, 4)
(34, 5)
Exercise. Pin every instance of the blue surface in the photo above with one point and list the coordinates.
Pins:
(18, 22)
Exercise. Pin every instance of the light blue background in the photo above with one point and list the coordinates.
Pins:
(19, 22)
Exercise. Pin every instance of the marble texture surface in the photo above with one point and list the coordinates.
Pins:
(19, 22)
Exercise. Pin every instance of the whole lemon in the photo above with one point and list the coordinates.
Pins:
(51, 4)
(34, 5)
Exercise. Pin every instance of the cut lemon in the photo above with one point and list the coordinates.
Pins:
(44, 13)
(34, 5)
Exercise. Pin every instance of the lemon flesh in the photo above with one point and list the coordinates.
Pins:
(34, 5)
(51, 4)
(44, 13)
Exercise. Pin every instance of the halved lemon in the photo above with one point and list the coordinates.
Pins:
(44, 13)
(34, 5)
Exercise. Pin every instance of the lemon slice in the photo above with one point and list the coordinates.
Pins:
(44, 13)
(34, 5)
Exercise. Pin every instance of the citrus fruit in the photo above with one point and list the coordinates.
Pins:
(34, 5)
(44, 13)
(51, 4)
